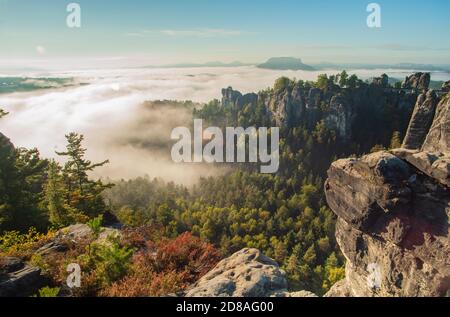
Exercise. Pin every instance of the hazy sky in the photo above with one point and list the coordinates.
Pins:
(172, 31)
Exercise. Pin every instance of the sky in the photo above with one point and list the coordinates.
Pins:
(151, 32)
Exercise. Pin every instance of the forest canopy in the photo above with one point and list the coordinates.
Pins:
(285, 215)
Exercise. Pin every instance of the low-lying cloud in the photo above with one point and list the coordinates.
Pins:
(117, 125)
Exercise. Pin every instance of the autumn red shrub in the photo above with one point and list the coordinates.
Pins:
(166, 267)
(139, 238)
(186, 253)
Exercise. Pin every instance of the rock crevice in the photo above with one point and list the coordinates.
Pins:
(393, 211)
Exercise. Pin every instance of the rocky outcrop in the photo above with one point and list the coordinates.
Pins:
(314, 98)
(419, 81)
(421, 120)
(18, 279)
(229, 97)
(433, 157)
(340, 289)
(300, 104)
(446, 86)
(235, 100)
(75, 233)
(438, 139)
(247, 273)
(287, 106)
(393, 212)
(339, 117)
(382, 81)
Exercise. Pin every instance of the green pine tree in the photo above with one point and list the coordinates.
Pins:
(60, 212)
(82, 193)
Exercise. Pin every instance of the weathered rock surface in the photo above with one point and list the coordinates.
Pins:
(340, 116)
(337, 107)
(393, 213)
(229, 97)
(446, 86)
(74, 233)
(392, 218)
(314, 98)
(421, 120)
(419, 81)
(382, 81)
(433, 157)
(438, 139)
(18, 279)
(287, 106)
(235, 100)
(340, 289)
(247, 273)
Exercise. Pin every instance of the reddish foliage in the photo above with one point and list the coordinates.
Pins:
(188, 254)
(166, 266)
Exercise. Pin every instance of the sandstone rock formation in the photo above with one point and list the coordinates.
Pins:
(382, 81)
(446, 86)
(314, 98)
(393, 212)
(419, 81)
(75, 233)
(286, 106)
(433, 158)
(338, 107)
(421, 120)
(235, 100)
(229, 97)
(18, 279)
(340, 116)
(247, 273)
(438, 139)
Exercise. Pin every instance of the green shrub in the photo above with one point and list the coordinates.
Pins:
(282, 83)
(48, 292)
(14, 241)
(111, 260)
(96, 225)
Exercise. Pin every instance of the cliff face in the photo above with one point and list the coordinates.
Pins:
(393, 211)
(420, 81)
(338, 107)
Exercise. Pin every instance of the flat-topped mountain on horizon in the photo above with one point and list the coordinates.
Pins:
(285, 63)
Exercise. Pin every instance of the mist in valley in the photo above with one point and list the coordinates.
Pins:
(111, 109)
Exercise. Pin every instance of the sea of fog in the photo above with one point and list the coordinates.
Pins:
(106, 106)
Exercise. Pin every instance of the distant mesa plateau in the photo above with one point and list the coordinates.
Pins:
(285, 63)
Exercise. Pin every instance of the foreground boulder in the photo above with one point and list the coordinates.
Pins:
(393, 213)
(75, 233)
(18, 279)
(247, 273)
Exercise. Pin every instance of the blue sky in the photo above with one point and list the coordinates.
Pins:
(172, 31)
